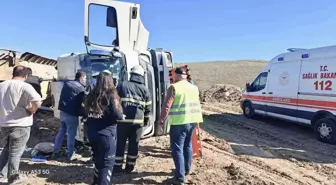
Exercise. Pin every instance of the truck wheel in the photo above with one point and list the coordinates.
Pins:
(248, 110)
(325, 130)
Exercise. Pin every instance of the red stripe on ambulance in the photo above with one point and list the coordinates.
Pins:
(317, 104)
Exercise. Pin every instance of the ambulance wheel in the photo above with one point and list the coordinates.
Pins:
(325, 130)
(248, 110)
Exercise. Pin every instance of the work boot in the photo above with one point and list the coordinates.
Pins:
(175, 181)
(188, 172)
(55, 155)
(131, 169)
(15, 180)
(117, 171)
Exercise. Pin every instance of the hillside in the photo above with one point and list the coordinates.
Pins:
(205, 74)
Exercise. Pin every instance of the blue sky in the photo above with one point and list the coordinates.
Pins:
(194, 30)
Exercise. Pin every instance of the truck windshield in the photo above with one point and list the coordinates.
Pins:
(93, 65)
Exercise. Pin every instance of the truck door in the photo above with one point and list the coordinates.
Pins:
(282, 90)
(162, 62)
(256, 92)
(109, 24)
(150, 84)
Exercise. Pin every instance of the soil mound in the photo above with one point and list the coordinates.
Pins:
(222, 93)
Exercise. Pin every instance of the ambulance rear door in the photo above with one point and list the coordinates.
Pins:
(317, 91)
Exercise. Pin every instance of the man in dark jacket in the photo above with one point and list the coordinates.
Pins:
(70, 101)
(34, 81)
(136, 102)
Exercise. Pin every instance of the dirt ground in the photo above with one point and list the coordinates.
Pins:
(236, 151)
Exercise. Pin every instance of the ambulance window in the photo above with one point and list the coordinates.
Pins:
(259, 83)
(262, 81)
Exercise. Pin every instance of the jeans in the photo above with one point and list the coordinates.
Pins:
(104, 148)
(13, 140)
(181, 146)
(133, 133)
(68, 125)
(36, 124)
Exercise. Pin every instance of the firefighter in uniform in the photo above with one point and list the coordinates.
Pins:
(183, 109)
(136, 102)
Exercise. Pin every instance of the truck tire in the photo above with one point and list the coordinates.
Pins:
(325, 130)
(248, 110)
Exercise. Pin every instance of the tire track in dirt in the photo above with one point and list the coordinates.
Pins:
(283, 135)
(246, 130)
(259, 170)
(253, 164)
(267, 168)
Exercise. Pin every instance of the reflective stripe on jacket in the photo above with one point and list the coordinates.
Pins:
(136, 100)
(186, 107)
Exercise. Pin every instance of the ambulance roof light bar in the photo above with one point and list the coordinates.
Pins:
(295, 49)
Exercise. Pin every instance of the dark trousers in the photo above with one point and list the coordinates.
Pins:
(13, 140)
(181, 146)
(103, 148)
(133, 133)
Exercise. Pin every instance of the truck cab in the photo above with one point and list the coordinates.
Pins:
(156, 79)
(122, 47)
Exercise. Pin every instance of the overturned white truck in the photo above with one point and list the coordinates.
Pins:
(124, 44)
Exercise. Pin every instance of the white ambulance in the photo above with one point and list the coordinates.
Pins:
(297, 86)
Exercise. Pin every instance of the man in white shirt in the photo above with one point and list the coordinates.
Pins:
(19, 101)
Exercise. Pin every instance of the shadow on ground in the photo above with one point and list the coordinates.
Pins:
(155, 152)
(268, 138)
(139, 178)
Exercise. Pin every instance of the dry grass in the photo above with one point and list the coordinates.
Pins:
(206, 74)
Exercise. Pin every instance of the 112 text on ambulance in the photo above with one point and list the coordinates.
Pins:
(325, 82)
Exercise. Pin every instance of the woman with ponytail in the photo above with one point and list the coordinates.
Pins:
(103, 109)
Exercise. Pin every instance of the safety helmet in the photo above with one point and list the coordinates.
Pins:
(107, 71)
(138, 70)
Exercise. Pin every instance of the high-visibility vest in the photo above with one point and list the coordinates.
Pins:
(186, 107)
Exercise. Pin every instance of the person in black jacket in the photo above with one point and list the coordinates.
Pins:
(103, 109)
(34, 81)
(70, 101)
(136, 102)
